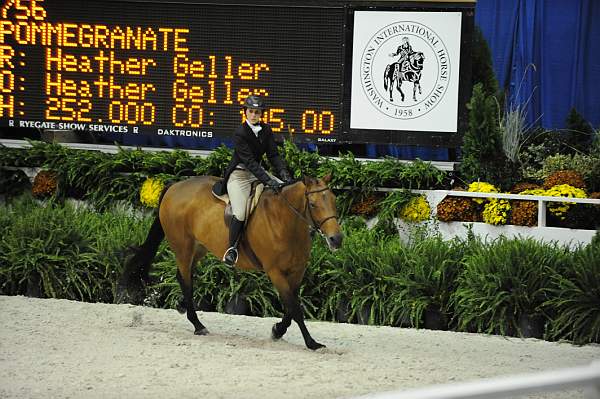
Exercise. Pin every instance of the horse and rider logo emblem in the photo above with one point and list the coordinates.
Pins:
(405, 70)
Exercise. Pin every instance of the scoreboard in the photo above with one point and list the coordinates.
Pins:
(181, 69)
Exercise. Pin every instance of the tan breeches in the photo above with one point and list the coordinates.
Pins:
(239, 186)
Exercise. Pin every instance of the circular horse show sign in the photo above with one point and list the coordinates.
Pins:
(405, 70)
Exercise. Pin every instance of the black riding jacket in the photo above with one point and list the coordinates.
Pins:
(249, 150)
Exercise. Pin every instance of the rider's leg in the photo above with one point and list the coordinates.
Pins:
(238, 187)
(235, 231)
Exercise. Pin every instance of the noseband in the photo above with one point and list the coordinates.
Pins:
(322, 222)
(312, 224)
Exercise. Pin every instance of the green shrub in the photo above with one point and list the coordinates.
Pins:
(13, 182)
(303, 163)
(538, 145)
(47, 251)
(503, 281)
(215, 164)
(574, 303)
(587, 165)
(314, 294)
(359, 276)
(392, 204)
(425, 282)
(482, 67)
(64, 250)
(481, 158)
(578, 133)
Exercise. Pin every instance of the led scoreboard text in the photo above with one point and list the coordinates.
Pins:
(99, 66)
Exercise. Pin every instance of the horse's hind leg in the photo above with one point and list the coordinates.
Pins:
(416, 85)
(288, 291)
(185, 264)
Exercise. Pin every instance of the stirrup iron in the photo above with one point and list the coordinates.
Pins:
(231, 250)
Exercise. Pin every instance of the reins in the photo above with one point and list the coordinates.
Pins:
(311, 224)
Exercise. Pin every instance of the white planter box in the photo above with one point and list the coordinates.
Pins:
(572, 238)
(448, 230)
(569, 237)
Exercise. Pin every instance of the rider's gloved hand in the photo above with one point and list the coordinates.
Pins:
(274, 185)
(286, 176)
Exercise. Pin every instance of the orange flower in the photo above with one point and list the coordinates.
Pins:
(44, 184)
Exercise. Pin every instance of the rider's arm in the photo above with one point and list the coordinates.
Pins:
(273, 155)
(245, 153)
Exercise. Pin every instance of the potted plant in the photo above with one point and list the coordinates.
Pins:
(503, 286)
(358, 278)
(574, 297)
(426, 282)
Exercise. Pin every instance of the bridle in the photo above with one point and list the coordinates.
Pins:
(312, 224)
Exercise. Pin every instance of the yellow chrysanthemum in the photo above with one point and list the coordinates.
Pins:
(496, 211)
(482, 187)
(559, 209)
(150, 192)
(417, 210)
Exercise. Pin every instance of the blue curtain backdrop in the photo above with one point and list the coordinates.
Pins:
(561, 39)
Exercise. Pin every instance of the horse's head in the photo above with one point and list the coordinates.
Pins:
(416, 60)
(322, 211)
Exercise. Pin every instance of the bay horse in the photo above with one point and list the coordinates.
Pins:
(409, 71)
(277, 240)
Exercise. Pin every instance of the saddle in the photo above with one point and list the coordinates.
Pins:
(219, 191)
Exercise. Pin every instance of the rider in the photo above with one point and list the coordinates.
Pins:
(252, 139)
(404, 50)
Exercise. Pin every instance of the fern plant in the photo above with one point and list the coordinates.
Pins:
(429, 276)
(48, 252)
(574, 303)
(503, 281)
(359, 276)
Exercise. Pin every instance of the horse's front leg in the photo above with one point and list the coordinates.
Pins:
(400, 90)
(185, 258)
(288, 292)
(279, 329)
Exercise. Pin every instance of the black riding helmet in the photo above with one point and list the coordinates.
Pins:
(254, 102)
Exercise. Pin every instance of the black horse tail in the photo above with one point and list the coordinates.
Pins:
(136, 272)
(385, 77)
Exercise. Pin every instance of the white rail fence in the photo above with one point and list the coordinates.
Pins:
(434, 197)
(565, 236)
(586, 377)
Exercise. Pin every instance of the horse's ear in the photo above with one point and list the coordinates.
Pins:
(308, 181)
(327, 178)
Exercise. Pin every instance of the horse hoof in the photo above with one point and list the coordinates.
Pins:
(276, 334)
(202, 331)
(315, 345)
(126, 296)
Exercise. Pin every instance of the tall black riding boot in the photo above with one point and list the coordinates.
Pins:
(235, 231)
